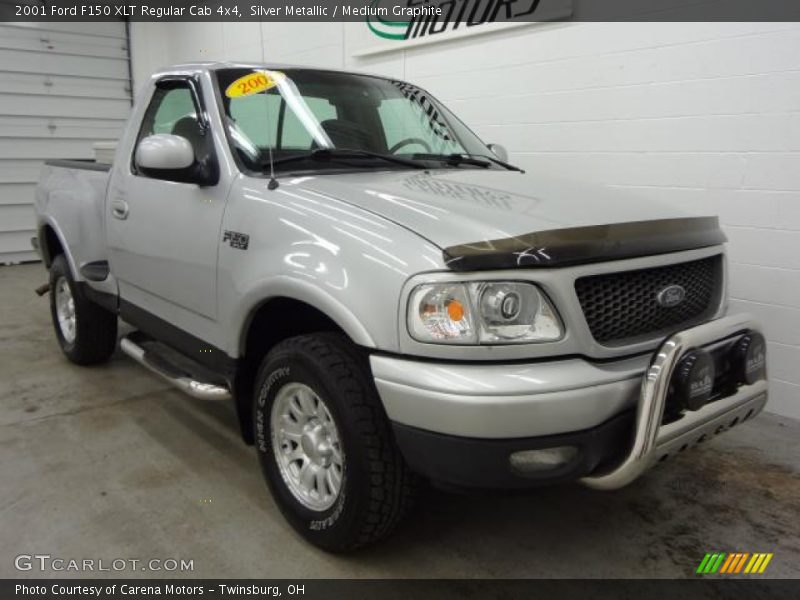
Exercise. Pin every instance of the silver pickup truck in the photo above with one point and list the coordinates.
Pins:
(385, 299)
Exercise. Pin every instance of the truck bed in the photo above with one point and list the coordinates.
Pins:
(70, 201)
(86, 164)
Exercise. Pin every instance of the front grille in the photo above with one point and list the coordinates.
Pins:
(621, 307)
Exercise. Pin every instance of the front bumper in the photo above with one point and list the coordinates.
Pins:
(502, 400)
(460, 424)
(484, 463)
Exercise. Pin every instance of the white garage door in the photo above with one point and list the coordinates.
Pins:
(63, 86)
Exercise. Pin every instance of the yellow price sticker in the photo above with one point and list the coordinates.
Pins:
(253, 83)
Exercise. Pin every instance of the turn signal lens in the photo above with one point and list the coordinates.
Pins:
(455, 310)
(440, 313)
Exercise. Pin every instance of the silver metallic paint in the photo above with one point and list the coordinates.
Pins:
(505, 400)
(348, 244)
(164, 151)
(353, 246)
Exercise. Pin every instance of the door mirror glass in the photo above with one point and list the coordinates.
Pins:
(499, 151)
(162, 152)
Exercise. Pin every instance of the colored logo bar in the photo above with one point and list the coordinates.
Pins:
(733, 563)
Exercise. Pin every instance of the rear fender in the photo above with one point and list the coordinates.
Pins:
(48, 253)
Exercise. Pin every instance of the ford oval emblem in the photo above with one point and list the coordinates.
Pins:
(670, 296)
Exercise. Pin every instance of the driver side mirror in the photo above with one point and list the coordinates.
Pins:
(499, 151)
(172, 158)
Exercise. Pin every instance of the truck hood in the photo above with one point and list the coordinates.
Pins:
(483, 212)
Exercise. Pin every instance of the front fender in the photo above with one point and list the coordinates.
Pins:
(346, 262)
(303, 291)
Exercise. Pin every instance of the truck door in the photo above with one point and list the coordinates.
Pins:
(163, 231)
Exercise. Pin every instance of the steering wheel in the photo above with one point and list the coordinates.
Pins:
(408, 142)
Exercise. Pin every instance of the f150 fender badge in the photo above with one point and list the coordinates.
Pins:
(237, 240)
(670, 296)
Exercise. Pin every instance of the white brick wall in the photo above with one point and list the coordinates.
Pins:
(705, 115)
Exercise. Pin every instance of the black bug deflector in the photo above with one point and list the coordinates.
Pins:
(581, 245)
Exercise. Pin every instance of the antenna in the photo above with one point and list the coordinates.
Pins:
(273, 183)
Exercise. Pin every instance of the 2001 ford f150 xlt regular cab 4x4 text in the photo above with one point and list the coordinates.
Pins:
(383, 297)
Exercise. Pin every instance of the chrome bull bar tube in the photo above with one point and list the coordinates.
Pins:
(651, 439)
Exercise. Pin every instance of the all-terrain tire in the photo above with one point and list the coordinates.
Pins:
(377, 487)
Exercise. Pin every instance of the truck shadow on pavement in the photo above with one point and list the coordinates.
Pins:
(723, 495)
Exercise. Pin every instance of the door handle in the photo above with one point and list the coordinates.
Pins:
(120, 209)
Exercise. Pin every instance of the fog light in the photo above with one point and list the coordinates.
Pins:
(546, 459)
(749, 358)
(693, 380)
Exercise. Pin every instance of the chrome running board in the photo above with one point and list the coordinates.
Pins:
(172, 373)
(653, 441)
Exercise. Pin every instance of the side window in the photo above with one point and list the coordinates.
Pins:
(166, 110)
(172, 110)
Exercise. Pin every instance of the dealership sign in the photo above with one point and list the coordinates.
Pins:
(426, 19)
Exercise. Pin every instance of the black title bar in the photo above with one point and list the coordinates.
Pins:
(384, 13)
(403, 589)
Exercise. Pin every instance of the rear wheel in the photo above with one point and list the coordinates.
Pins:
(325, 445)
(86, 332)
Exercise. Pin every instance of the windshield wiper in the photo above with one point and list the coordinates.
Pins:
(454, 159)
(327, 154)
(502, 163)
(466, 158)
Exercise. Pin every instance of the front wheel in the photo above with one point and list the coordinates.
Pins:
(325, 445)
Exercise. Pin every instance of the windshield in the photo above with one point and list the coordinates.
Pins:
(297, 111)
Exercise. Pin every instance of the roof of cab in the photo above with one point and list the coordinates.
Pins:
(217, 65)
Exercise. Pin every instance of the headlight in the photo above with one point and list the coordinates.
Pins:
(492, 312)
